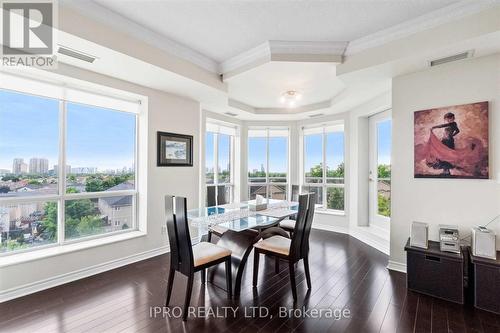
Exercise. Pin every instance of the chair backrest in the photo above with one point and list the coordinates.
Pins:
(296, 244)
(181, 250)
(295, 192)
(308, 224)
(299, 247)
(222, 198)
(211, 195)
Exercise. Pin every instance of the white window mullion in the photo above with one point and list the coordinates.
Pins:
(325, 192)
(268, 181)
(135, 202)
(216, 165)
(62, 172)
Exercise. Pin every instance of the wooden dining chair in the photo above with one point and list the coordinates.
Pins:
(187, 259)
(291, 250)
(289, 224)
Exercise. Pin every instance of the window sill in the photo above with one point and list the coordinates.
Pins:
(56, 250)
(330, 212)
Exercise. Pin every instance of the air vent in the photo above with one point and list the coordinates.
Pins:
(231, 114)
(76, 54)
(316, 115)
(455, 57)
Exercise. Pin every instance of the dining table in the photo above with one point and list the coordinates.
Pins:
(245, 226)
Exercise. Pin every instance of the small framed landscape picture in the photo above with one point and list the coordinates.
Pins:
(174, 149)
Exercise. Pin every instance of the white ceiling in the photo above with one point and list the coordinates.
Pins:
(217, 30)
(223, 29)
(262, 86)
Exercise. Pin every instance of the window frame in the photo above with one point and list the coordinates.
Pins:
(62, 197)
(324, 185)
(267, 182)
(231, 183)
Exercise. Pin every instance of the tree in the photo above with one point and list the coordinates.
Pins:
(11, 178)
(335, 198)
(384, 171)
(15, 244)
(337, 173)
(89, 225)
(316, 171)
(80, 216)
(99, 183)
(384, 205)
(49, 222)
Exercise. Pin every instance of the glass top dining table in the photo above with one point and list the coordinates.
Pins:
(239, 216)
(241, 222)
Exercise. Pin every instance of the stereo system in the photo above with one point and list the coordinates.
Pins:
(484, 243)
(449, 239)
(483, 239)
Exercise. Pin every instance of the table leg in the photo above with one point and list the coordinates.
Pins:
(240, 244)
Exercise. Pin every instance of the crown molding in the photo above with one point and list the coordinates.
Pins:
(305, 108)
(277, 50)
(240, 106)
(123, 24)
(307, 47)
(425, 22)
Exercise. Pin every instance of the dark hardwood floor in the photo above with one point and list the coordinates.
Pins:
(346, 274)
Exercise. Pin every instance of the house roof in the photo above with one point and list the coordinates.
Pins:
(118, 201)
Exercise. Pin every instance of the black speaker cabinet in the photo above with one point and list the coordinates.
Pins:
(486, 283)
(435, 273)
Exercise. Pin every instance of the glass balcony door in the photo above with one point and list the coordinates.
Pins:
(380, 169)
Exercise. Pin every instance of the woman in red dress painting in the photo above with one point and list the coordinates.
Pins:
(450, 130)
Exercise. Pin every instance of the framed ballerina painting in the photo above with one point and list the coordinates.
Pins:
(452, 142)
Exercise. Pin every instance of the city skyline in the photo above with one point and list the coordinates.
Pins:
(96, 137)
(69, 169)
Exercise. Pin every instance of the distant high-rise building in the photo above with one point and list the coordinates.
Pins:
(56, 169)
(39, 165)
(84, 170)
(18, 166)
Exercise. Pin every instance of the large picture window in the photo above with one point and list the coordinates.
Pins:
(67, 170)
(324, 165)
(219, 163)
(268, 163)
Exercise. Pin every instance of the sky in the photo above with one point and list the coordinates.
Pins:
(313, 147)
(95, 137)
(384, 141)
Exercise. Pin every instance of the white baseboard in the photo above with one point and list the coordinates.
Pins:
(396, 266)
(370, 239)
(78, 274)
(334, 228)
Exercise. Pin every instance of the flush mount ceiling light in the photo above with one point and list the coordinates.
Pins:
(290, 98)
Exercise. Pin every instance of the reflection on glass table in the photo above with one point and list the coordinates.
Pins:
(239, 217)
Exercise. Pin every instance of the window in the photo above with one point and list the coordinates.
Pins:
(380, 169)
(268, 163)
(324, 165)
(67, 170)
(219, 163)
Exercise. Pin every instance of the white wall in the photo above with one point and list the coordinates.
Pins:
(463, 202)
(166, 113)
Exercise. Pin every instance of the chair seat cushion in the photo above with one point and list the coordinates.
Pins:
(217, 229)
(205, 252)
(288, 224)
(276, 244)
